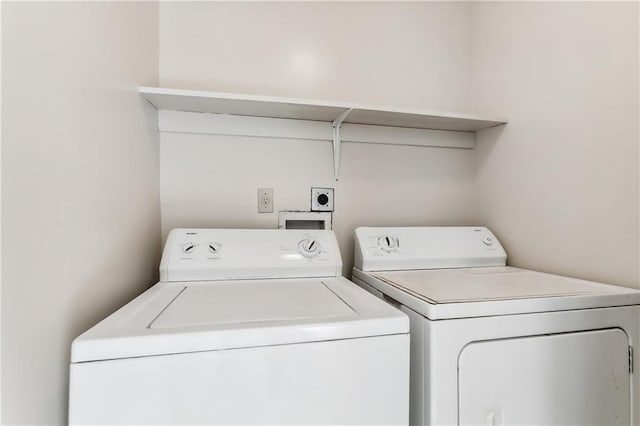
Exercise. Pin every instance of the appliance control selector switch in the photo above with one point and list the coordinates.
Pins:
(388, 243)
(309, 247)
(488, 241)
(189, 247)
(214, 247)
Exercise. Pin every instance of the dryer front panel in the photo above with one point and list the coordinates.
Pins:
(580, 378)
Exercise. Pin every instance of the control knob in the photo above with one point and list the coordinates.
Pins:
(189, 247)
(388, 243)
(488, 241)
(214, 247)
(309, 247)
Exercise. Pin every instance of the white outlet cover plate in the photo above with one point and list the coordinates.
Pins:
(265, 200)
(316, 206)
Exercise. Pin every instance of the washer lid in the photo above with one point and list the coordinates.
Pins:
(251, 302)
(487, 291)
(172, 318)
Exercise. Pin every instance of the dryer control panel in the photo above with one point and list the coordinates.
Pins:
(385, 249)
(226, 254)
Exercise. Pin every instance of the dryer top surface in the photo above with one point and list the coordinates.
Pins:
(495, 290)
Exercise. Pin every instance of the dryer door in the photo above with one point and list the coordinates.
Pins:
(563, 379)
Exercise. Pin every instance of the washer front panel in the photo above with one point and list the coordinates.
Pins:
(326, 383)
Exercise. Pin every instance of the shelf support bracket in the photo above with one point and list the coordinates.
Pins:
(337, 124)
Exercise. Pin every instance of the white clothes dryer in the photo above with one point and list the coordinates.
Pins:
(498, 345)
(245, 327)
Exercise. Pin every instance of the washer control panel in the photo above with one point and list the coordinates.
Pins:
(403, 248)
(224, 254)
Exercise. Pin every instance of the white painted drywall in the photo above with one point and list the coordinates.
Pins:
(80, 186)
(402, 54)
(407, 54)
(559, 184)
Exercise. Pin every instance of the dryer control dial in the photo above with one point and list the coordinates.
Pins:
(309, 247)
(388, 243)
(488, 241)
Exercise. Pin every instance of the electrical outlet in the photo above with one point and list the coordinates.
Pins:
(321, 199)
(265, 200)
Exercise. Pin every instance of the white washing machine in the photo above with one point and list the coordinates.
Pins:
(497, 345)
(245, 327)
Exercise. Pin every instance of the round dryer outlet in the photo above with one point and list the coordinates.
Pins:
(321, 199)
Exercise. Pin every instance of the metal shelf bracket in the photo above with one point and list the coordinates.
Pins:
(337, 124)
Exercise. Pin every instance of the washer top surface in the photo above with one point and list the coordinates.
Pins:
(172, 318)
(491, 291)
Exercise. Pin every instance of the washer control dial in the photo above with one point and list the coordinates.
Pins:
(189, 247)
(214, 247)
(388, 243)
(309, 247)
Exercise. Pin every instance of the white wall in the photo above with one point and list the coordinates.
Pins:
(80, 186)
(407, 54)
(559, 184)
(404, 54)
